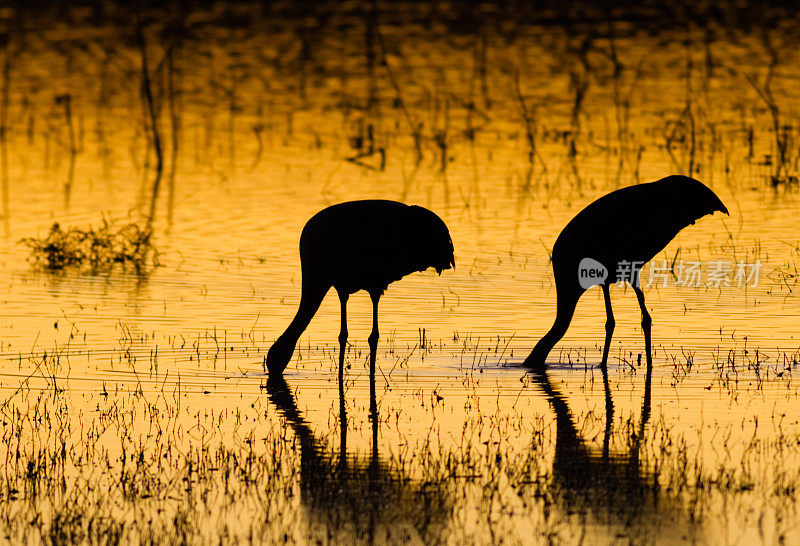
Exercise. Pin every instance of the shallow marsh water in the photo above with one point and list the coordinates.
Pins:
(136, 407)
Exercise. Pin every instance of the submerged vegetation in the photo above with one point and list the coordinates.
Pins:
(127, 245)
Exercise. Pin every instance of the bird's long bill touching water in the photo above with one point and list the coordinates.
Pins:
(618, 234)
(361, 245)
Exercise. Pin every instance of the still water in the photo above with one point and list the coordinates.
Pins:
(136, 407)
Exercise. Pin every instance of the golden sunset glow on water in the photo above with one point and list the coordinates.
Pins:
(181, 150)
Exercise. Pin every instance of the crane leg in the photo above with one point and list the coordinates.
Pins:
(342, 428)
(373, 349)
(646, 323)
(343, 297)
(609, 326)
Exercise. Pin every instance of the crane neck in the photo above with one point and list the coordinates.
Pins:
(565, 308)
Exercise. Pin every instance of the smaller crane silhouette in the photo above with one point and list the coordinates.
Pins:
(361, 245)
(627, 227)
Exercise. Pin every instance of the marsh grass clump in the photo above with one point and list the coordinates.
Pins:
(128, 245)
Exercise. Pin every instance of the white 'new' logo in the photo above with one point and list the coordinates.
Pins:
(591, 272)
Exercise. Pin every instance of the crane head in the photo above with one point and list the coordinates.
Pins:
(432, 239)
(693, 197)
(279, 355)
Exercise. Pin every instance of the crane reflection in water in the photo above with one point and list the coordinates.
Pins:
(355, 499)
(613, 489)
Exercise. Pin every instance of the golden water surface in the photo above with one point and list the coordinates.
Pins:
(135, 406)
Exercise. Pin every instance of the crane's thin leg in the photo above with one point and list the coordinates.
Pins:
(609, 416)
(373, 414)
(342, 337)
(342, 427)
(343, 297)
(648, 380)
(604, 367)
(609, 326)
(373, 349)
(646, 323)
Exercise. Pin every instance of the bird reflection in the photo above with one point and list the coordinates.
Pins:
(610, 488)
(357, 499)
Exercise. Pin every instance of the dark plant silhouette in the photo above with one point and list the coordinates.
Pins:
(621, 231)
(128, 245)
(361, 245)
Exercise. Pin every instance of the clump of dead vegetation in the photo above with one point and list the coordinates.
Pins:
(128, 245)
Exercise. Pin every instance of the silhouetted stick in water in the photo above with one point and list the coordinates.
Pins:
(153, 114)
(615, 236)
(66, 100)
(4, 125)
(361, 245)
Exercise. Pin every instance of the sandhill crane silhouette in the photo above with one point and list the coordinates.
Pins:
(361, 245)
(622, 231)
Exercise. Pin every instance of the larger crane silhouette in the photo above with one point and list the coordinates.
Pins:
(361, 245)
(622, 231)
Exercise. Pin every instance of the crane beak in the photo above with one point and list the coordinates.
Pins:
(448, 265)
(720, 206)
